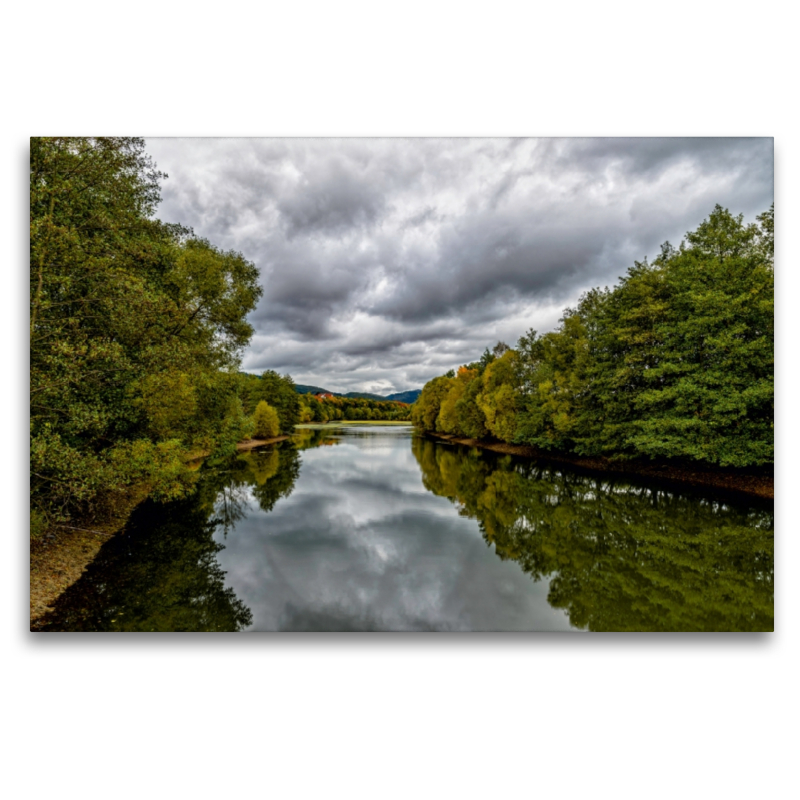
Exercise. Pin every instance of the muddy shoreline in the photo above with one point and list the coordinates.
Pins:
(735, 481)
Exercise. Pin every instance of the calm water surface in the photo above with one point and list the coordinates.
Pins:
(368, 527)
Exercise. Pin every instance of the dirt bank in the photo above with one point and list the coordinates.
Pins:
(727, 480)
(249, 444)
(59, 557)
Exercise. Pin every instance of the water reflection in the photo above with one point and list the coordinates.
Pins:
(163, 572)
(619, 557)
(365, 536)
(362, 545)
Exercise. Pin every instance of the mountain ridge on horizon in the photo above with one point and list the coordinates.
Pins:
(408, 396)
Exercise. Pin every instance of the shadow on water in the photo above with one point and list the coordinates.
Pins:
(613, 555)
(619, 556)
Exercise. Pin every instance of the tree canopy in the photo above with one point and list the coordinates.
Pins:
(676, 361)
(136, 330)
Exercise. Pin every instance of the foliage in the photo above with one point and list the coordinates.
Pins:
(677, 361)
(265, 421)
(136, 329)
(276, 390)
(448, 419)
(316, 409)
(499, 397)
(425, 411)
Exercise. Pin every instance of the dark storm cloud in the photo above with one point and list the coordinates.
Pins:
(386, 261)
(334, 199)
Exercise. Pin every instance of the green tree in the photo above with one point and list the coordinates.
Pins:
(136, 330)
(675, 362)
(448, 420)
(425, 410)
(265, 421)
(499, 398)
(279, 391)
(471, 420)
(682, 351)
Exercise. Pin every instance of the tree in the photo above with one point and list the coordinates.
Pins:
(683, 350)
(499, 398)
(425, 410)
(279, 391)
(136, 330)
(266, 423)
(676, 361)
(448, 420)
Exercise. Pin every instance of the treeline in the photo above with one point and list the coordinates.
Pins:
(351, 408)
(280, 392)
(136, 332)
(676, 361)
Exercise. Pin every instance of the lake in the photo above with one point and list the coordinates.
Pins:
(374, 528)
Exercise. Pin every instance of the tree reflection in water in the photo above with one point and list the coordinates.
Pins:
(617, 555)
(162, 573)
(620, 557)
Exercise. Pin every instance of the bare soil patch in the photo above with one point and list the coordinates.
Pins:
(60, 556)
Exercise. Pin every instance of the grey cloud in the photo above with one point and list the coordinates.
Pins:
(384, 259)
(334, 199)
(423, 217)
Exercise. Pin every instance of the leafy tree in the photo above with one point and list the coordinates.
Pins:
(265, 421)
(425, 410)
(676, 361)
(682, 360)
(499, 397)
(553, 379)
(471, 420)
(448, 420)
(710, 395)
(136, 330)
(279, 392)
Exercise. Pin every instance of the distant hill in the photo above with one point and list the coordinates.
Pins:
(405, 397)
(401, 397)
(364, 396)
(303, 389)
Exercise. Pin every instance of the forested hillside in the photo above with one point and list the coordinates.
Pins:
(136, 331)
(676, 361)
(294, 403)
(403, 397)
(352, 408)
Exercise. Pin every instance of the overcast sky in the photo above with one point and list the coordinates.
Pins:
(386, 262)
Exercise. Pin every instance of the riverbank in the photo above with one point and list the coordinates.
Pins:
(62, 554)
(726, 480)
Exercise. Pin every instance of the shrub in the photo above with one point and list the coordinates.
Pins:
(266, 421)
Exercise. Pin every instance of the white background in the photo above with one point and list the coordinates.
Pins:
(396, 715)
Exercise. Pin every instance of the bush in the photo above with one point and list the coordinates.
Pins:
(266, 421)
